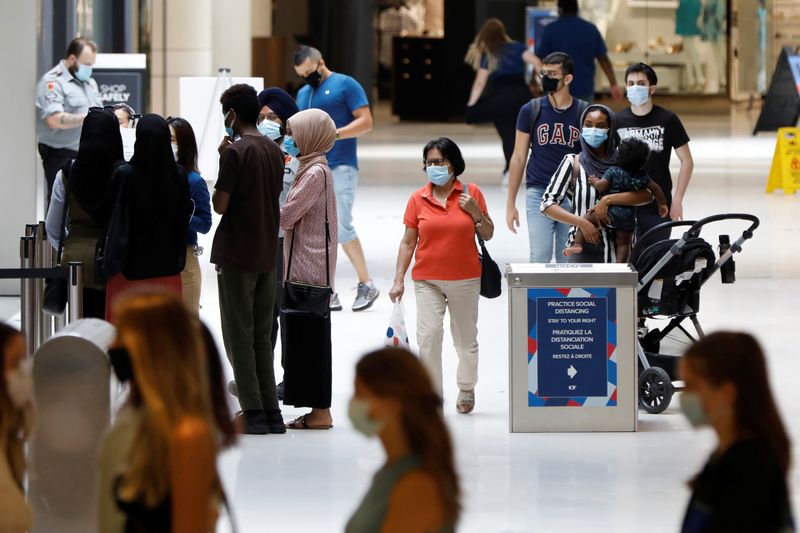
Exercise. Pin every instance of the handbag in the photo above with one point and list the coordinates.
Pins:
(305, 299)
(55, 289)
(491, 278)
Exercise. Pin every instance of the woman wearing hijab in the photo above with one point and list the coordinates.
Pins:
(146, 239)
(599, 143)
(310, 252)
(88, 183)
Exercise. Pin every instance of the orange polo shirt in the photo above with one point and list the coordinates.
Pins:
(447, 249)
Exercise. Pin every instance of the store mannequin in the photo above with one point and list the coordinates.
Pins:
(713, 32)
(686, 18)
(599, 12)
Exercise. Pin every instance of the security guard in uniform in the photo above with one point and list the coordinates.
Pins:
(63, 98)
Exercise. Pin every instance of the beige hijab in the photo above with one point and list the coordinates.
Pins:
(314, 133)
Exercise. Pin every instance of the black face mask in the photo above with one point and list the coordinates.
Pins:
(550, 85)
(120, 361)
(314, 79)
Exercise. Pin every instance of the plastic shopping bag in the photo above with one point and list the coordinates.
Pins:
(396, 335)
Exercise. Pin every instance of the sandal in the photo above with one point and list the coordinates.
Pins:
(300, 423)
(465, 402)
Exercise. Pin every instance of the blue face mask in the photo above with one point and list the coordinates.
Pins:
(228, 129)
(438, 175)
(270, 129)
(84, 72)
(594, 137)
(692, 407)
(290, 147)
(638, 95)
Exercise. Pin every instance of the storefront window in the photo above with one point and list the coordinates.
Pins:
(685, 40)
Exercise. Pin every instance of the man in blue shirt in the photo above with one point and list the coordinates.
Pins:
(556, 132)
(582, 41)
(345, 101)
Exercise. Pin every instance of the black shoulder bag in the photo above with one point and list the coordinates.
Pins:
(304, 299)
(55, 289)
(491, 278)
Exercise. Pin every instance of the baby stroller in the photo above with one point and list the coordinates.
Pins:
(671, 274)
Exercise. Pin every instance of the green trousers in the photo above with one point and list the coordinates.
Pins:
(246, 302)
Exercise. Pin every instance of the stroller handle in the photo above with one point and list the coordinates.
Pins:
(640, 242)
(694, 231)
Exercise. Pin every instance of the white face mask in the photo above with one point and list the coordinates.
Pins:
(19, 383)
(358, 412)
(175, 151)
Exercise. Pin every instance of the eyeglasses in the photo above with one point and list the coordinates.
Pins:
(434, 162)
(550, 74)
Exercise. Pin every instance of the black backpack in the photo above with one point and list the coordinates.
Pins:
(536, 110)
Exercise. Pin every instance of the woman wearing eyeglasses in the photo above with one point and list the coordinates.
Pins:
(441, 220)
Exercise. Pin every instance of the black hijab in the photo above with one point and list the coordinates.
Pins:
(156, 194)
(99, 155)
(591, 162)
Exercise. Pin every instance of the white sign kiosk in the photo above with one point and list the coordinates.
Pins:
(572, 347)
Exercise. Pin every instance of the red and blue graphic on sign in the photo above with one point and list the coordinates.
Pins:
(572, 347)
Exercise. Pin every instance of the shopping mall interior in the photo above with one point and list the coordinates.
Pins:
(312, 481)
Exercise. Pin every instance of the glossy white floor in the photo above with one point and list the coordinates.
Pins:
(311, 481)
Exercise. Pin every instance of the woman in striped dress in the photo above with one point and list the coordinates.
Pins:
(599, 152)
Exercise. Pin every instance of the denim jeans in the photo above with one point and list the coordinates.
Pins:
(345, 180)
(547, 237)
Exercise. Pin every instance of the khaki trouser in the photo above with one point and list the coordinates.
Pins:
(192, 281)
(461, 299)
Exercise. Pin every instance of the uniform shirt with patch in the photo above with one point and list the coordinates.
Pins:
(60, 92)
(663, 132)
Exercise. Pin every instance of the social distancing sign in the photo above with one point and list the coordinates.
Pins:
(785, 171)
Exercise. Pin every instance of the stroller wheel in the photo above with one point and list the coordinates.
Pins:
(655, 390)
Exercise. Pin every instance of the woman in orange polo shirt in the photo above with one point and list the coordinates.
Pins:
(441, 220)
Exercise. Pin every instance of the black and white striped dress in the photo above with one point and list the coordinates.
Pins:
(582, 196)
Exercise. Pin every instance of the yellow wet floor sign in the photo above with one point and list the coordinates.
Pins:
(785, 171)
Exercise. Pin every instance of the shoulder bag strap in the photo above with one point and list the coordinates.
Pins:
(327, 239)
(477, 234)
(64, 209)
(576, 168)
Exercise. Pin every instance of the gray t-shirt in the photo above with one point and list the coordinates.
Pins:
(60, 92)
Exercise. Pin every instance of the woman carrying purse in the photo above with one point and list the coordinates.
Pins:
(310, 264)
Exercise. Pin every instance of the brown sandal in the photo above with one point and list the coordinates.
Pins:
(300, 423)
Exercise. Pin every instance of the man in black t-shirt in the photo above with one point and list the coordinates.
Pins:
(245, 250)
(663, 131)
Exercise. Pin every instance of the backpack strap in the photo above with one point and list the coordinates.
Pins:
(536, 110)
(583, 105)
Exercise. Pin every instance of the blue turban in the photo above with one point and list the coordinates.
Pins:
(279, 102)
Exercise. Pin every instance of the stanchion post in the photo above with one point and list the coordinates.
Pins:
(75, 291)
(26, 246)
(50, 321)
(35, 294)
(42, 255)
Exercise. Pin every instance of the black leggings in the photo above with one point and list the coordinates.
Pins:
(500, 105)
